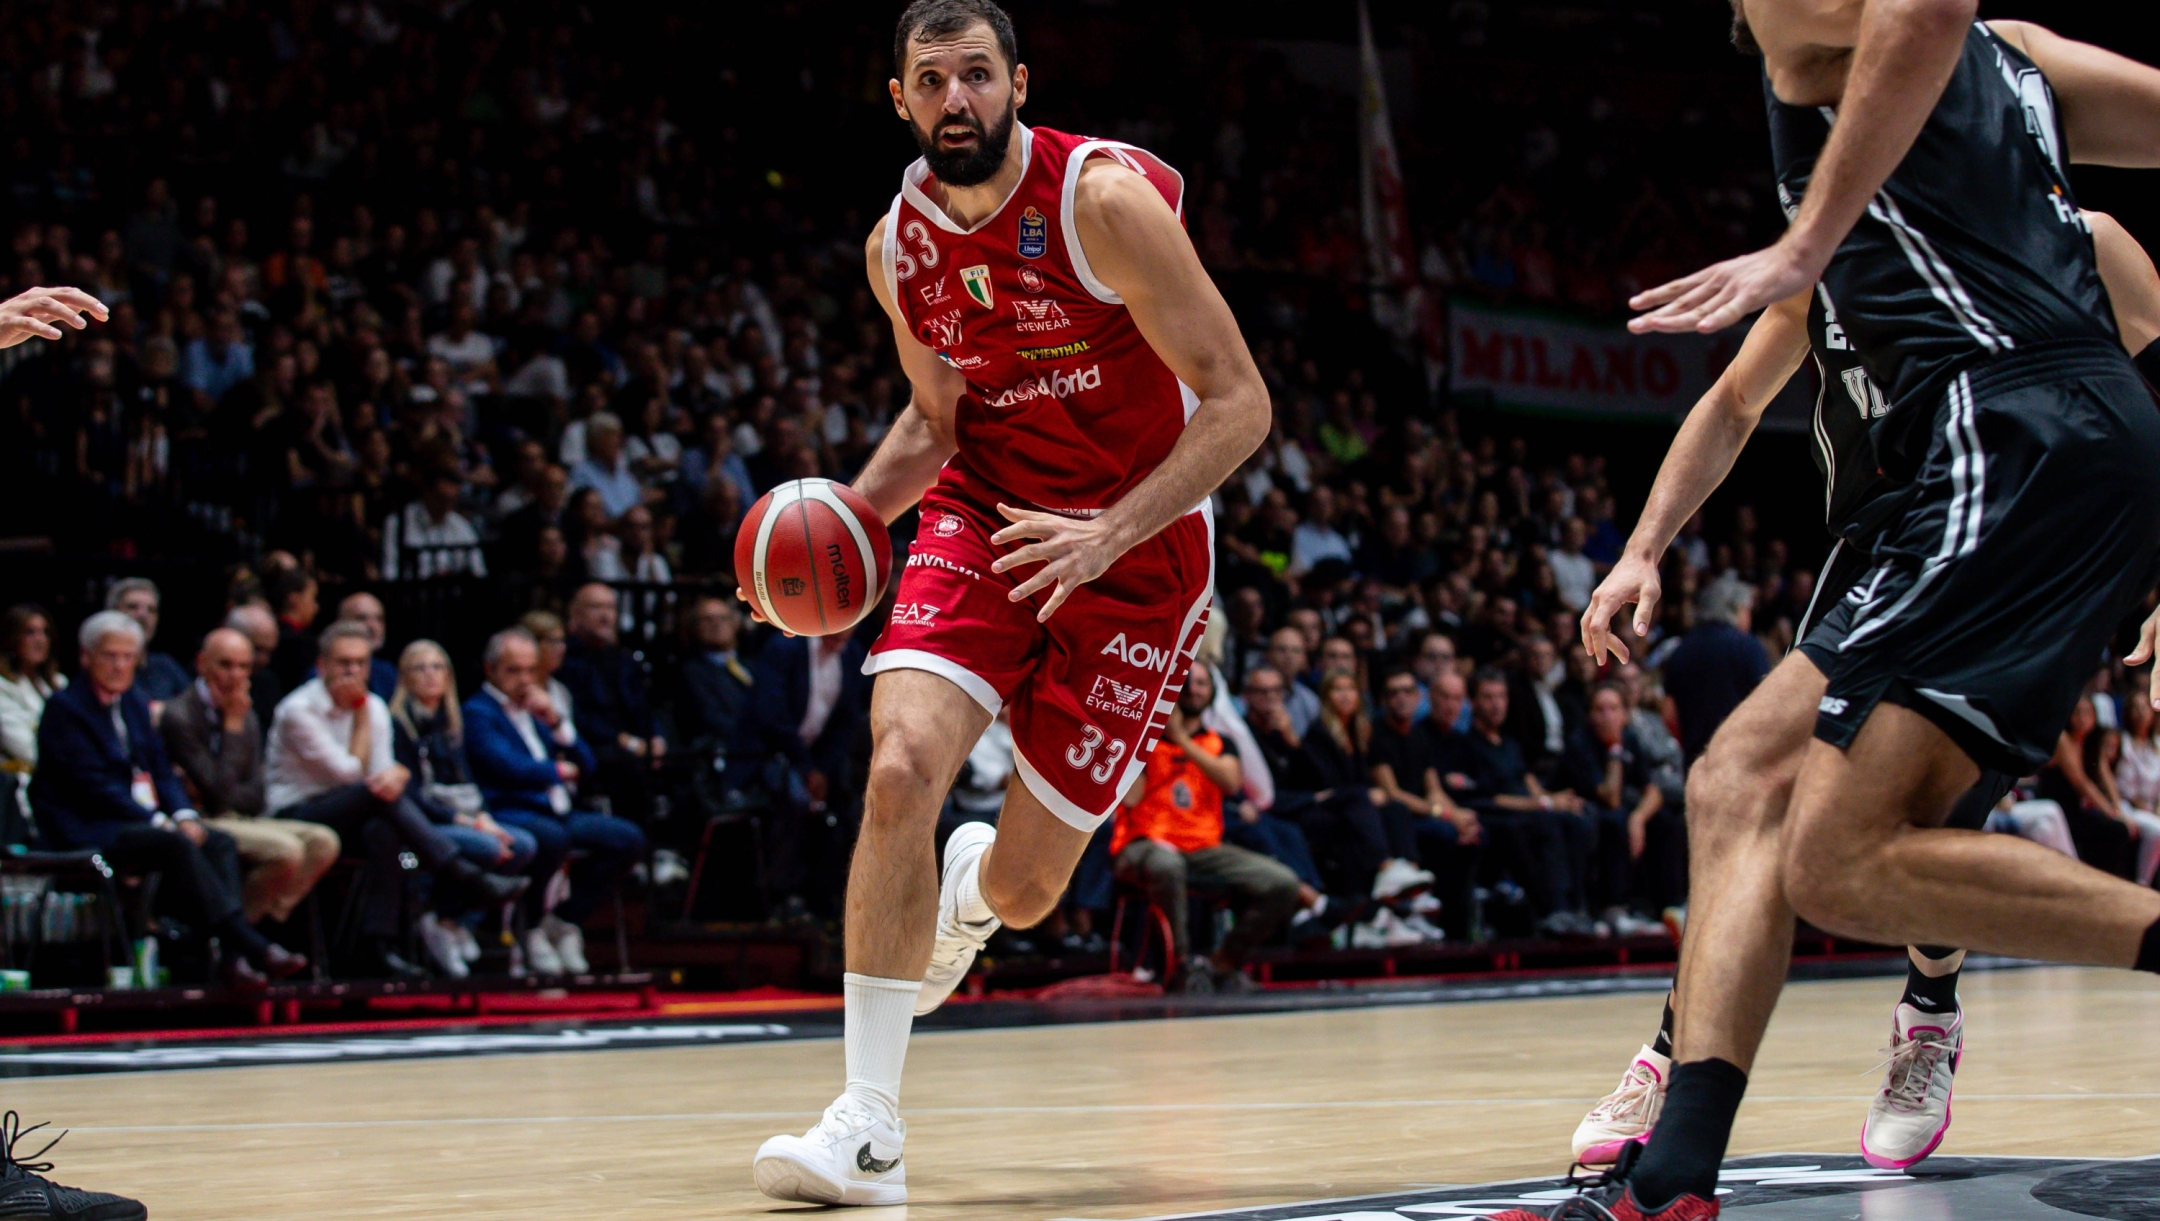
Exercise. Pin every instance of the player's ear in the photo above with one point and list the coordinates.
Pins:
(899, 101)
(1020, 79)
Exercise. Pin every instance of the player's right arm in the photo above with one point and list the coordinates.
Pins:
(2133, 286)
(1701, 456)
(921, 439)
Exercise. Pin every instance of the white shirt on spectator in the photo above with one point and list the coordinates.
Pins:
(522, 720)
(824, 690)
(1573, 577)
(466, 357)
(542, 377)
(308, 752)
(22, 704)
(447, 546)
(1312, 542)
(619, 488)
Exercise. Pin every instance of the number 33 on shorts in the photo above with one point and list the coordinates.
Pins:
(1081, 753)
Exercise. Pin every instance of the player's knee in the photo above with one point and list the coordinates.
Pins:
(1022, 901)
(902, 784)
(1728, 792)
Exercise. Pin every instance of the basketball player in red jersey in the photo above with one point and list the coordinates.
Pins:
(1079, 389)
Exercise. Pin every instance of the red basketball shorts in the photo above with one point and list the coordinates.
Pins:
(1089, 692)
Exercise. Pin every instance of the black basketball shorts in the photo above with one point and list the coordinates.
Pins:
(2029, 532)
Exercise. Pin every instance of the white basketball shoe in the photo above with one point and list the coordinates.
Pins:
(958, 942)
(849, 1157)
(1911, 1112)
(1627, 1113)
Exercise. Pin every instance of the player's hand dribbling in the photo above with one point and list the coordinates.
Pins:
(32, 314)
(1724, 293)
(755, 613)
(1632, 581)
(2148, 632)
(1071, 550)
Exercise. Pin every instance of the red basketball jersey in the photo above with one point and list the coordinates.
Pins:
(1066, 407)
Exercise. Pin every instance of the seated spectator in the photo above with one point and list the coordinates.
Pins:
(554, 644)
(1168, 837)
(810, 709)
(1342, 827)
(542, 509)
(2106, 838)
(254, 621)
(1642, 845)
(1716, 664)
(104, 782)
(614, 709)
(429, 537)
(1574, 574)
(1538, 719)
(1435, 655)
(526, 756)
(1286, 655)
(293, 600)
(2036, 819)
(1338, 759)
(1316, 539)
(430, 731)
(1538, 834)
(716, 685)
(605, 469)
(2136, 775)
(215, 739)
(367, 611)
(331, 760)
(28, 678)
(1406, 761)
(160, 678)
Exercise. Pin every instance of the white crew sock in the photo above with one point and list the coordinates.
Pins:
(968, 901)
(880, 1015)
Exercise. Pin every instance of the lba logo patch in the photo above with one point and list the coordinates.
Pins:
(1031, 280)
(977, 280)
(947, 526)
(1034, 236)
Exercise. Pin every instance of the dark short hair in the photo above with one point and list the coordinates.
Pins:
(288, 584)
(928, 19)
(1395, 672)
(1484, 676)
(344, 629)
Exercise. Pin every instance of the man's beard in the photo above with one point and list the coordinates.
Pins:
(974, 166)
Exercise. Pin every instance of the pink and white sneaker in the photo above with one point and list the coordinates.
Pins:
(1911, 1112)
(1626, 1114)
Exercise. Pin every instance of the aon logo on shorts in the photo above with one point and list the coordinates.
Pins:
(1139, 653)
(1833, 705)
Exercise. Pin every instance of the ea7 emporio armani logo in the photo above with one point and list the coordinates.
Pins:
(873, 1165)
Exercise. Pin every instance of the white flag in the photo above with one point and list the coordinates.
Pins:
(1380, 185)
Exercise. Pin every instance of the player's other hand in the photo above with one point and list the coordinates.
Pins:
(1071, 550)
(1724, 293)
(2148, 632)
(756, 613)
(35, 313)
(1632, 582)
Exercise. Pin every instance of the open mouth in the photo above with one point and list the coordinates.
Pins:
(957, 137)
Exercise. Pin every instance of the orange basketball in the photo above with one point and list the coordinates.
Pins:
(813, 557)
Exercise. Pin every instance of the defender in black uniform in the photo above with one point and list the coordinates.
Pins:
(1935, 214)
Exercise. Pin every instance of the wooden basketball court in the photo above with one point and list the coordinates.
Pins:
(1115, 1120)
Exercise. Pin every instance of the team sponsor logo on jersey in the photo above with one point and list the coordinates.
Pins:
(1864, 395)
(943, 330)
(1031, 280)
(1111, 696)
(1035, 317)
(1060, 352)
(1034, 236)
(1056, 384)
(963, 363)
(976, 280)
(913, 614)
(936, 294)
(920, 559)
(948, 525)
(1832, 705)
(1139, 654)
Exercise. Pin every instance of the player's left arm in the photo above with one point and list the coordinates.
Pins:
(1901, 61)
(1138, 248)
(2110, 104)
(2133, 285)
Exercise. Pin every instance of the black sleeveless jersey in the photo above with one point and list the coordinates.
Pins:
(1972, 250)
(1846, 408)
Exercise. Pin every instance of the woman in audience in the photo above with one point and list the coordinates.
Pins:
(2106, 838)
(1336, 764)
(28, 676)
(2130, 766)
(548, 632)
(431, 744)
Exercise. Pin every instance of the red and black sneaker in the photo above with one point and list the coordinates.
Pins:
(1607, 1197)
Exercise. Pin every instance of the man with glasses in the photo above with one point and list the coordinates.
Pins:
(1423, 823)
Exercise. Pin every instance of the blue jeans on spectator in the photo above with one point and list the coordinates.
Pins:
(485, 851)
(1278, 838)
(611, 846)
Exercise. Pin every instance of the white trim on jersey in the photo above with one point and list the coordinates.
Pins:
(890, 256)
(1807, 617)
(911, 188)
(1088, 148)
(1961, 525)
(977, 687)
(1941, 281)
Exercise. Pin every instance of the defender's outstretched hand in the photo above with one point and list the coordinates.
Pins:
(33, 313)
(2148, 633)
(1632, 581)
(1072, 552)
(1724, 293)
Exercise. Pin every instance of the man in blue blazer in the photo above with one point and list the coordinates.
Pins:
(103, 781)
(527, 759)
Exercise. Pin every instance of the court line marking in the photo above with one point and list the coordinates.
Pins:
(1101, 1109)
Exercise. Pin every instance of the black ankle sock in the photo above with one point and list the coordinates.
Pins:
(1662, 1045)
(1688, 1143)
(1930, 993)
(2148, 958)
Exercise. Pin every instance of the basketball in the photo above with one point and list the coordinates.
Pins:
(814, 555)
